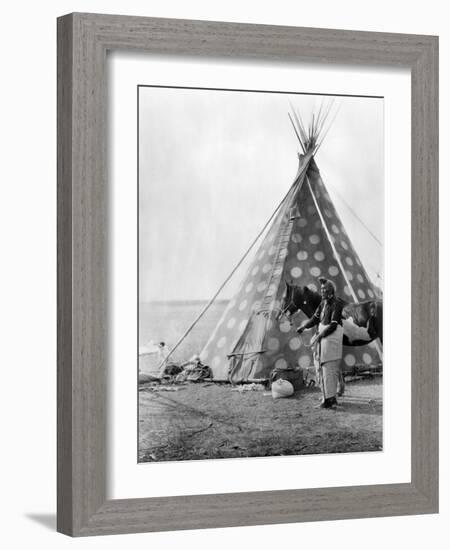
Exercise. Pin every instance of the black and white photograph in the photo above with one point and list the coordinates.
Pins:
(260, 273)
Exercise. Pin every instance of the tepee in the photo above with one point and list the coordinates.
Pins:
(306, 240)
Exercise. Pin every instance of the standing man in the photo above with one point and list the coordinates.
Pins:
(328, 341)
(163, 353)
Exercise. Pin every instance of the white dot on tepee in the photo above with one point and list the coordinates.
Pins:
(266, 268)
(350, 360)
(367, 358)
(315, 271)
(335, 229)
(272, 250)
(255, 270)
(314, 239)
(221, 342)
(296, 238)
(347, 291)
(295, 343)
(242, 324)
(327, 213)
(318, 224)
(248, 287)
(361, 294)
(231, 323)
(370, 293)
(333, 270)
(242, 305)
(283, 253)
(296, 272)
(262, 254)
(302, 255)
(360, 278)
(273, 344)
(349, 275)
(302, 222)
(348, 260)
(280, 363)
(319, 256)
(344, 245)
(261, 286)
(285, 326)
(304, 361)
(313, 287)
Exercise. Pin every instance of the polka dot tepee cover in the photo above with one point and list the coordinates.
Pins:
(248, 342)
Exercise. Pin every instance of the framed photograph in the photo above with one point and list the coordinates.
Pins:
(247, 274)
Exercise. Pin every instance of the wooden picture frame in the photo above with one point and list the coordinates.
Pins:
(83, 41)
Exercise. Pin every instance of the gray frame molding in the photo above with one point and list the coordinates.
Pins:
(83, 40)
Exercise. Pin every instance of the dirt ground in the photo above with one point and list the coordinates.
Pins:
(203, 421)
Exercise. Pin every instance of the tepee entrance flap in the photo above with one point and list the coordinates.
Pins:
(246, 361)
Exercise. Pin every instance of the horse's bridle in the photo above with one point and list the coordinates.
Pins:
(285, 309)
(291, 302)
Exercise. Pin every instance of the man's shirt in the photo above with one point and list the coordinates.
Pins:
(328, 312)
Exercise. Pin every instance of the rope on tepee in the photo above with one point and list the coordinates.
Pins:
(338, 258)
(211, 301)
(356, 215)
(327, 233)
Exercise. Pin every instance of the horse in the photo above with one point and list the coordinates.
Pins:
(365, 315)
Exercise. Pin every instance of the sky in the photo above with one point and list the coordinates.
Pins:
(214, 165)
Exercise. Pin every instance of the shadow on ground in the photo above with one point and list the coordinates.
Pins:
(46, 520)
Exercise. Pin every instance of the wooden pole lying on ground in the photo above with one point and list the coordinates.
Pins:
(362, 400)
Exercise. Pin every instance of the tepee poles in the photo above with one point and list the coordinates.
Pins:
(236, 267)
(296, 133)
(338, 260)
(330, 240)
(311, 142)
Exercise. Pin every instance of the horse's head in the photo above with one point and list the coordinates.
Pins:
(298, 297)
(309, 300)
(287, 303)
